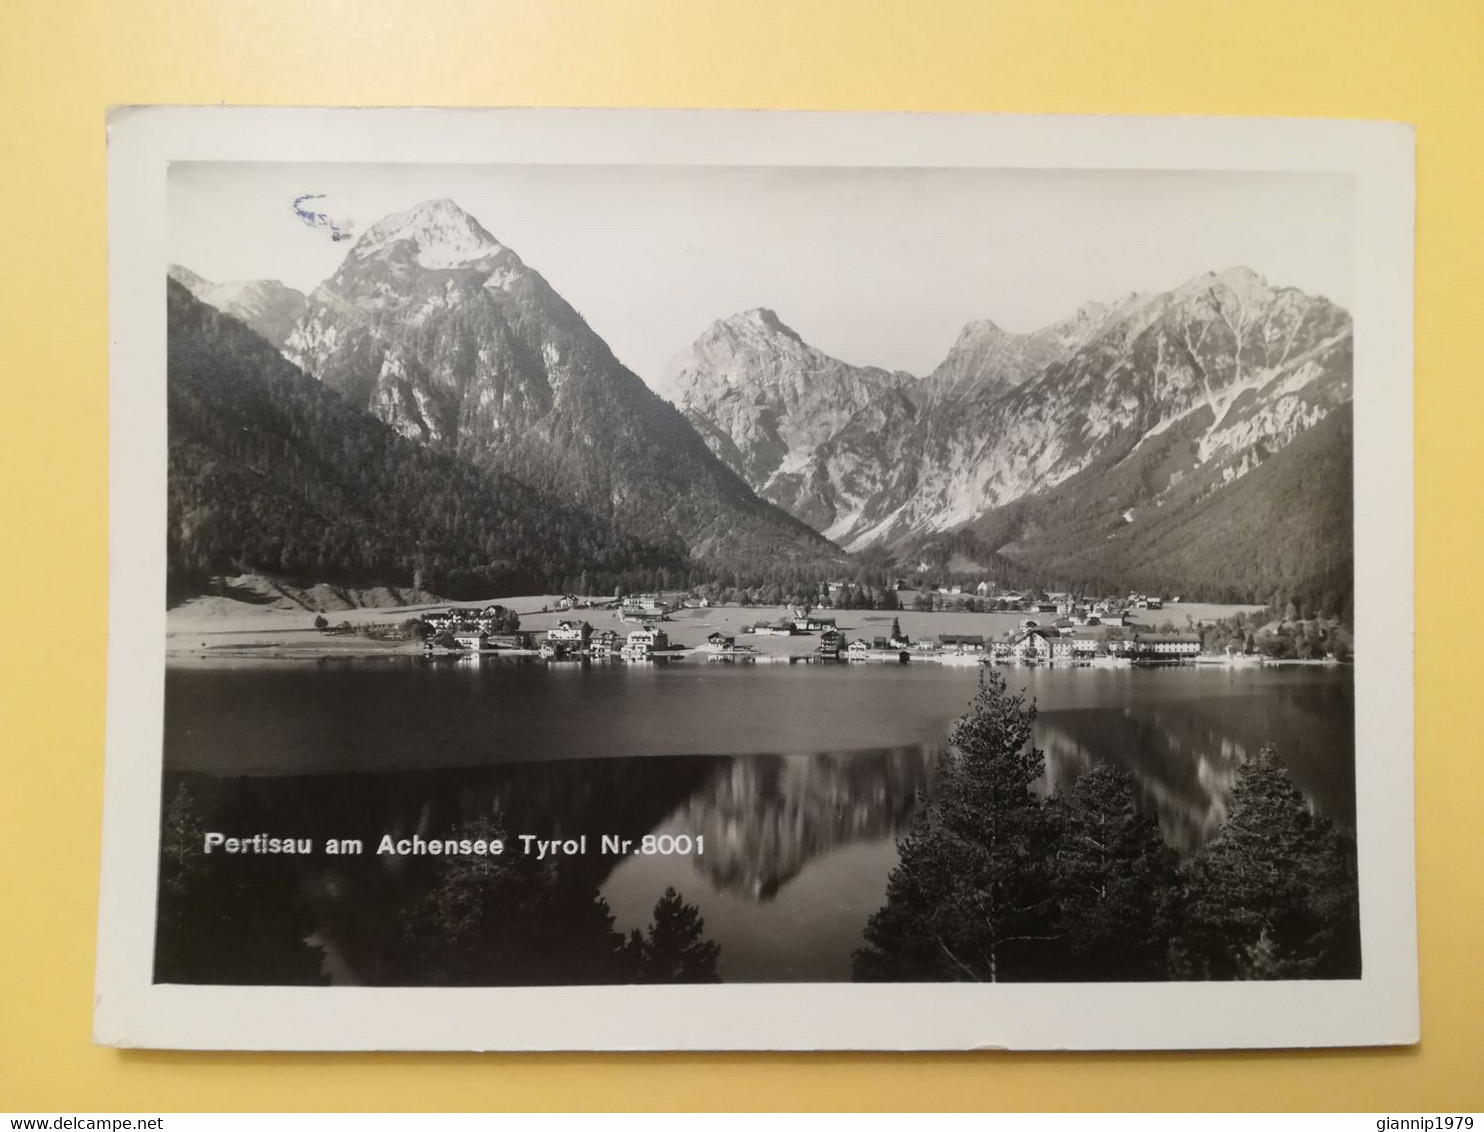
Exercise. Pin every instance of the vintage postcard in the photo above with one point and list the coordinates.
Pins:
(701, 580)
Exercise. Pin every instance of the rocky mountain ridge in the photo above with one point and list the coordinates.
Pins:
(765, 401)
(1241, 366)
(267, 305)
(270, 472)
(440, 330)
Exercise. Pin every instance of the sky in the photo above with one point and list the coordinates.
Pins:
(875, 266)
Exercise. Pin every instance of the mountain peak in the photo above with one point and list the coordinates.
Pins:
(755, 322)
(980, 329)
(186, 278)
(1242, 282)
(763, 316)
(443, 233)
(1239, 276)
(1245, 283)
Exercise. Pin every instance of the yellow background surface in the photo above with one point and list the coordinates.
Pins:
(62, 64)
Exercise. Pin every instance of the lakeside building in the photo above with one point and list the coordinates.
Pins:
(642, 643)
(725, 646)
(1093, 641)
(1034, 644)
(519, 640)
(1089, 643)
(570, 634)
(472, 641)
(1167, 644)
(961, 642)
(604, 644)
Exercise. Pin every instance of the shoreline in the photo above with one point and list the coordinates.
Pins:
(403, 649)
(220, 629)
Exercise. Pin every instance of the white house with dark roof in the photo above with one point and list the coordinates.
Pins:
(643, 642)
(961, 642)
(1167, 644)
(604, 643)
(1034, 644)
(472, 640)
(572, 634)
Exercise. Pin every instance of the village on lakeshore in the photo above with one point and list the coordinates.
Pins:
(1043, 628)
(255, 616)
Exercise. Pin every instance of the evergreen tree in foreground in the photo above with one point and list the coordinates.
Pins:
(993, 884)
(969, 897)
(675, 950)
(1116, 882)
(1275, 895)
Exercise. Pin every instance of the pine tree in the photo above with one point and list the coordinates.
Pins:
(1116, 882)
(1275, 894)
(969, 899)
(675, 949)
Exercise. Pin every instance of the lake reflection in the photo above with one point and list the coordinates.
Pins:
(1184, 753)
(799, 779)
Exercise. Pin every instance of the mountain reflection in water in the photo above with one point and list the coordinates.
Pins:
(1184, 754)
(765, 818)
(798, 845)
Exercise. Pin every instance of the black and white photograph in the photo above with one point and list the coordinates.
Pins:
(638, 571)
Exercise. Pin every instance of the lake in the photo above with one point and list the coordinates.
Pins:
(797, 779)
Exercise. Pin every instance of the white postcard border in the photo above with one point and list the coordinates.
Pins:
(1379, 1008)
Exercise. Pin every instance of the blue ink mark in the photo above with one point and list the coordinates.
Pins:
(319, 219)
